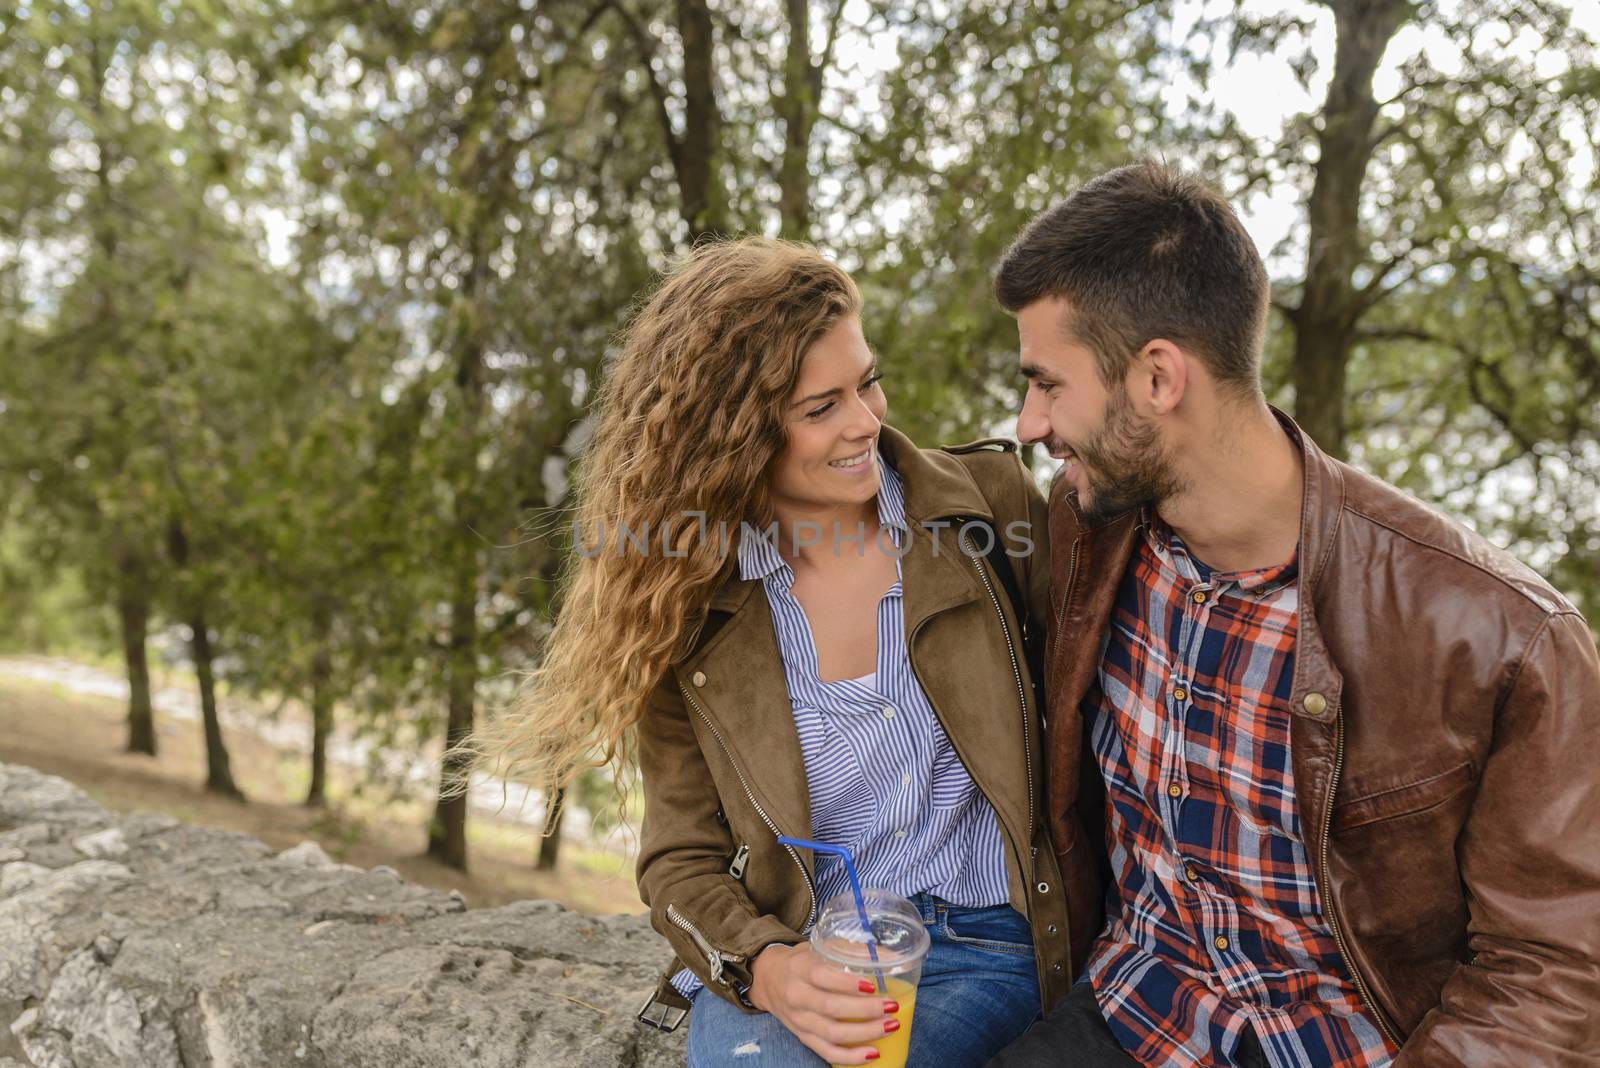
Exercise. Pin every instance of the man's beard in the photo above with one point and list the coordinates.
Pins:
(1125, 463)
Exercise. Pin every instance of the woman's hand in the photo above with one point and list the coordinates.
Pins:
(830, 1011)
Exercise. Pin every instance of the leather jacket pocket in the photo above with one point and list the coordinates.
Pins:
(1406, 800)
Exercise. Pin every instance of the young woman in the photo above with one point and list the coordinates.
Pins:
(795, 619)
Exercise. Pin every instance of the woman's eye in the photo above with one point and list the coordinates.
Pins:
(817, 413)
(874, 380)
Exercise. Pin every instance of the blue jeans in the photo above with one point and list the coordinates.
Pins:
(979, 991)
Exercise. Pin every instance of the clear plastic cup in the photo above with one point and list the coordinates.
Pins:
(900, 941)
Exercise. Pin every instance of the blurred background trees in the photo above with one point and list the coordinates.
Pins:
(302, 302)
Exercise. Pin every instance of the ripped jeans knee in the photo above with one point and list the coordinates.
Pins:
(721, 1034)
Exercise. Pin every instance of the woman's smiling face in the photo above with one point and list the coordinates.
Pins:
(832, 420)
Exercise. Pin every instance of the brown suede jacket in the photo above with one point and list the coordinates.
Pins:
(1446, 755)
(721, 763)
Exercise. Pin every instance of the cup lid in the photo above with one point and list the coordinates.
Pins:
(897, 934)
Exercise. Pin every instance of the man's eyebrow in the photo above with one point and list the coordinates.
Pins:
(1032, 370)
(829, 394)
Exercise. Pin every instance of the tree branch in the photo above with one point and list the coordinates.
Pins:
(829, 41)
(645, 45)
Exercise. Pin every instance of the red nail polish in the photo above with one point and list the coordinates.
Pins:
(865, 986)
(890, 1007)
(891, 1026)
(873, 1054)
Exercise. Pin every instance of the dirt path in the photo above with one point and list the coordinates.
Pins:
(80, 737)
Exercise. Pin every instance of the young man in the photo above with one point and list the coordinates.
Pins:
(1348, 749)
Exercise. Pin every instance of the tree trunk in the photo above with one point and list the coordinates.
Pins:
(133, 609)
(321, 704)
(702, 203)
(447, 834)
(550, 844)
(1325, 323)
(219, 777)
(802, 88)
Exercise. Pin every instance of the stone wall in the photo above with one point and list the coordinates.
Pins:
(140, 942)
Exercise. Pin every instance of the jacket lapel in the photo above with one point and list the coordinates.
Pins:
(742, 689)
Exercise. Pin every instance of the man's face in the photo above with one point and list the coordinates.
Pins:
(1115, 458)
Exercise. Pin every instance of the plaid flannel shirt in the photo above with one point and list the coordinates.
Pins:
(1215, 922)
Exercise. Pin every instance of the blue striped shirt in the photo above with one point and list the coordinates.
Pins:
(883, 777)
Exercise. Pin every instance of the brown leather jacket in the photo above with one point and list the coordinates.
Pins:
(721, 762)
(1445, 748)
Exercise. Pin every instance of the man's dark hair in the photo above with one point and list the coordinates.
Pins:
(1140, 253)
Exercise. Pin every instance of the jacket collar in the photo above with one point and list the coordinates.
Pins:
(739, 667)
(1322, 502)
(1321, 511)
(935, 486)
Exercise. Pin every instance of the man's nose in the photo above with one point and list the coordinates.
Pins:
(1033, 422)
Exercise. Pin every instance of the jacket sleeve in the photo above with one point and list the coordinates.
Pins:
(1530, 858)
(684, 853)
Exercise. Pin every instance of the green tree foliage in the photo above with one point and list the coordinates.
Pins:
(124, 123)
(1442, 329)
(993, 112)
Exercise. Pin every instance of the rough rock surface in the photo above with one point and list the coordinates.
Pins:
(139, 942)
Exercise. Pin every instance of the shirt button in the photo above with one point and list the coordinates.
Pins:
(888, 712)
(1180, 694)
(1198, 597)
(1221, 942)
(1190, 874)
(905, 780)
(900, 834)
(1174, 790)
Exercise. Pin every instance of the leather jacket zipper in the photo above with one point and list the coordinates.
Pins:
(811, 889)
(1327, 886)
(714, 957)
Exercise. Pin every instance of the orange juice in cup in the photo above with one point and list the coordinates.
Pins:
(888, 953)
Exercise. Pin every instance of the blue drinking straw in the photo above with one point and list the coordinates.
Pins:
(855, 888)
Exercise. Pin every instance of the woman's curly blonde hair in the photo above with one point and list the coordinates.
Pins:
(690, 420)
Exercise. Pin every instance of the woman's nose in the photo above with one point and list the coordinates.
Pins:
(865, 421)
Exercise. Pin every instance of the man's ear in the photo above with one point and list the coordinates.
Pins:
(1160, 376)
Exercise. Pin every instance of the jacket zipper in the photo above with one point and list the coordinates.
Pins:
(1327, 885)
(740, 859)
(1022, 697)
(811, 890)
(714, 957)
